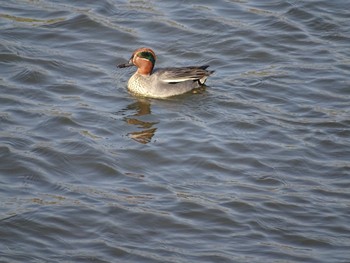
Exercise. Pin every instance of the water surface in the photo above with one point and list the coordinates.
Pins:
(255, 168)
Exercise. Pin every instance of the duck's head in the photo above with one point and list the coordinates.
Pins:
(144, 59)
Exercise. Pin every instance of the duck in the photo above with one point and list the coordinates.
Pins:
(162, 82)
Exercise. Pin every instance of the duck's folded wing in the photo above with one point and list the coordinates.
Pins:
(175, 75)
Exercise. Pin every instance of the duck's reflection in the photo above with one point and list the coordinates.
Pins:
(147, 131)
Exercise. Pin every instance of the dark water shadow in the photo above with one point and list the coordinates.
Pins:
(146, 129)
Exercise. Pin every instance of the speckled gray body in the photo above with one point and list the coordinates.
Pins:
(168, 82)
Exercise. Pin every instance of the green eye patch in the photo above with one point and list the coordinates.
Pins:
(147, 55)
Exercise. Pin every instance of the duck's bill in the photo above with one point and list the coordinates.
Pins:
(125, 65)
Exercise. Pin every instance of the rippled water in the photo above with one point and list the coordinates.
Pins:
(253, 169)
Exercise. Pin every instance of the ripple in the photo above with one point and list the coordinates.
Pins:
(30, 76)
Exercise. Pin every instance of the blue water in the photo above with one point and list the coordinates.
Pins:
(254, 168)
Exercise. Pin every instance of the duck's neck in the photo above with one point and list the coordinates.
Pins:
(145, 68)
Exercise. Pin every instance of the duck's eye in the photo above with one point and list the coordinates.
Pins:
(147, 55)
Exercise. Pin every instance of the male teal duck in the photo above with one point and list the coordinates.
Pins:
(162, 82)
